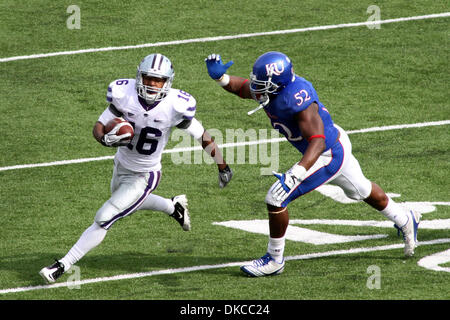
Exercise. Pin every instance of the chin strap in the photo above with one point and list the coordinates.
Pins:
(261, 105)
(256, 109)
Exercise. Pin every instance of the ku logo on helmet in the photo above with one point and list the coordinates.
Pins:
(272, 68)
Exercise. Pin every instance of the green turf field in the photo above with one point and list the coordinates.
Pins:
(397, 74)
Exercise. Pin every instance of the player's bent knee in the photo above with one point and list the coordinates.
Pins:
(99, 225)
(360, 192)
(106, 213)
(355, 196)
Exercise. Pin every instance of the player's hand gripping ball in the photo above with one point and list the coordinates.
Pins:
(118, 132)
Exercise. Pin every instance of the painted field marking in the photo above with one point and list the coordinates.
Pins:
(225, 145)
(294, 233)
(305, 235)
(230, 37)
(433, 261)
(215, 266)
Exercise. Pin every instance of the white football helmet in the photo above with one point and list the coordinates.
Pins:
(154, 65)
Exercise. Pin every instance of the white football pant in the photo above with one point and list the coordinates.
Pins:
(129, 190)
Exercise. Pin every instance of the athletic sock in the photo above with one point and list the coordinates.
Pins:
(157, 203)
(90, 238)
(395, 213)
(276, 248)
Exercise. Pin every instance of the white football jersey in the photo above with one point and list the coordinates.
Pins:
(152, 124)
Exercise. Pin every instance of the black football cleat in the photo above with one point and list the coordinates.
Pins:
(53, 272)
(181, 213)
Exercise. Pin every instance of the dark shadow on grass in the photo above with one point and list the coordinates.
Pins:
(24, 269)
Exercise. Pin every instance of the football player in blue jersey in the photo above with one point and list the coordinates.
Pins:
(294, 109)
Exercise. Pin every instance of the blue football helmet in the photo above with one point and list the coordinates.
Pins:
(271, 72)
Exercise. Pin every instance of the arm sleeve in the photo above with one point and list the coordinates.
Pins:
(195, 129)
(110, 113)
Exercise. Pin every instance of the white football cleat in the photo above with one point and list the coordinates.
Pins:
(53, 272)
(181, 213)
(265, 266)
(409, 231)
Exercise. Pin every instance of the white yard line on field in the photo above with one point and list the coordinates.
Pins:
(73, 284)
(230, 37)
(226, 145)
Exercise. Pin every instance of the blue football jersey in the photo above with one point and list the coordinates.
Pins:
(296, 97)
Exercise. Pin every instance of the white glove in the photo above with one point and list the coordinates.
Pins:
(110, 139)
(287, 182)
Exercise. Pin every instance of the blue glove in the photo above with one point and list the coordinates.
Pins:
(280, 189)
(216, 68)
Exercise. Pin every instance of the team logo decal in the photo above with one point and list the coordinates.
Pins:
(275, 68)
(287, 132)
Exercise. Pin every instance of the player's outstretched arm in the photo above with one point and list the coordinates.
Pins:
(217, 71)
(210, 147)
(196, 130)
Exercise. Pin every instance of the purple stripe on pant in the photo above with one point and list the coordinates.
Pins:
(149, 189)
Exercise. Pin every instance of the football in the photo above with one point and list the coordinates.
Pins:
(125, 128)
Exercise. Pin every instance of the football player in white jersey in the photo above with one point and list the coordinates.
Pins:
(153, 108)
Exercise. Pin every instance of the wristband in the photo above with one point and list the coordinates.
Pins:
(223, 80)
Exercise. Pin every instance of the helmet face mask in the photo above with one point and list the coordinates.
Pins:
(260, 89)
(156, 66)
(271, 72)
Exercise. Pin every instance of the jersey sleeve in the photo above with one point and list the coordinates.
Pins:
(302, 97)
(185, 106)
(108, 115)
(115, 94)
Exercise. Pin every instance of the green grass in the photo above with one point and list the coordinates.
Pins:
(395, 75)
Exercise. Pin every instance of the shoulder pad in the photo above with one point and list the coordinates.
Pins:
(299, 95)
(183, 103)
(118, 89)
